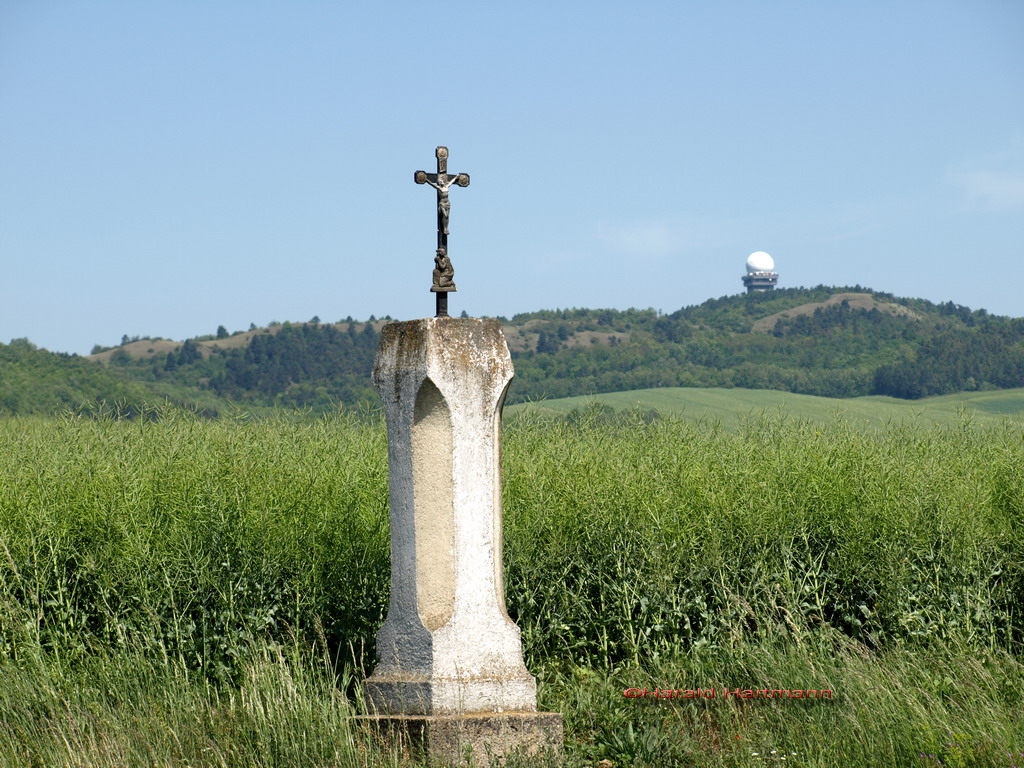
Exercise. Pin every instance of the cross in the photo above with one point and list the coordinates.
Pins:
(442, 181)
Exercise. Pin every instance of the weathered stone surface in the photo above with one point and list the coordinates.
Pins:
(447, 645)
(483, 741)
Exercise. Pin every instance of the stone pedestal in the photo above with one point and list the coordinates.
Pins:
(448, 649)
(480, 741)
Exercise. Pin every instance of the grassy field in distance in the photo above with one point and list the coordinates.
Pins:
(730, 405)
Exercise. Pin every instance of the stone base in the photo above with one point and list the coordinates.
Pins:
(480, 741)
(405, 695)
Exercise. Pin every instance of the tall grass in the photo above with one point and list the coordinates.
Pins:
(131, 709)
(191, 536)
(177, 592)
(629, 540)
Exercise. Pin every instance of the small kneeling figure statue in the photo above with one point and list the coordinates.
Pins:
(443, 272)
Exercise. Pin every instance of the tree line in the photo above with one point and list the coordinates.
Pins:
(837, 350)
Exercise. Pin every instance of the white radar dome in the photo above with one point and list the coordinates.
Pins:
(759, 261)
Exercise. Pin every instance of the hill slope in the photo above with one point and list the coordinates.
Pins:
(829, 342)
(833, 342)
(731, 406)
(37, 381)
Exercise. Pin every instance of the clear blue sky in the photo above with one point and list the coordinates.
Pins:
(168, 167)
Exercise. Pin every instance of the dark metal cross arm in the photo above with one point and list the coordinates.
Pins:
(422, 177)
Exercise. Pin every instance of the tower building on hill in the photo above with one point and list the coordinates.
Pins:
(761, 274)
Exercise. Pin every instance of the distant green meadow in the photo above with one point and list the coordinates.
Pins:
(728, 406)
(183, 592)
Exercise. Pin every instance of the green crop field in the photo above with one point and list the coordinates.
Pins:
(729, 406)
(181, 592)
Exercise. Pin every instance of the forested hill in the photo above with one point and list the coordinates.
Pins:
(835, 342)
(37, 381)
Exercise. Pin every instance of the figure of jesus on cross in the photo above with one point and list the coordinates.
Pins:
(442, 182)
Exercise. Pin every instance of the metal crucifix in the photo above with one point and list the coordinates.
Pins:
(442, 182)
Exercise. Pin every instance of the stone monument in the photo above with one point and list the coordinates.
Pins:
(450, 670)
